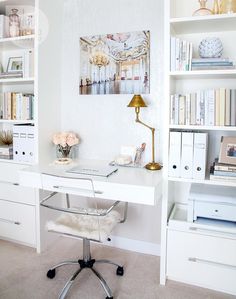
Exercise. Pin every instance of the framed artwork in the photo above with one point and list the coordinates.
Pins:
(15, 64)
(116, 63)
(228, 150)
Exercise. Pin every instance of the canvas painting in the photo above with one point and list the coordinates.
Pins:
(115, 63)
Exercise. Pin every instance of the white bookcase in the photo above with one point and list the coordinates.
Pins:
(202, 255)
(20, 217)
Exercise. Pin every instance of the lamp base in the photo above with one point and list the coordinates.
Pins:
(153, 166)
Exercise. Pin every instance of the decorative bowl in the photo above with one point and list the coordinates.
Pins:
(210, 47)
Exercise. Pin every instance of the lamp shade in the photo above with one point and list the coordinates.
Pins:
(137, 101)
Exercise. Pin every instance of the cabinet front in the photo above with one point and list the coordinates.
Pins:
(202, 260)
(17, 222)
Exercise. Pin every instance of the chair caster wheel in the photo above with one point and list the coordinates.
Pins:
(51, 273)
(109, 297)
(120, 271)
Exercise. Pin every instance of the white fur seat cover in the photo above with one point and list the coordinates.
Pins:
(91, 227)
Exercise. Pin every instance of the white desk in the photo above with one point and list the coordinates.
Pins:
(134, 185)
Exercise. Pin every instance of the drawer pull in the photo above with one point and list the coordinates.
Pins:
(202, 261)
(77, 189)
(9, 183)
(10, 221)
(212, 231)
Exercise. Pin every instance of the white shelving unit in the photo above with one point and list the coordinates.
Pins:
(19, 204)
(186, 250)
(18, 221)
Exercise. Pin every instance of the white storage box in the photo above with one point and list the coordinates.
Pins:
(213, 202)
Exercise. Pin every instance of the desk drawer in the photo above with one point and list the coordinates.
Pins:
(202, 260)
(17, 222)
(10, 172)
(16, 193)
(104, 190)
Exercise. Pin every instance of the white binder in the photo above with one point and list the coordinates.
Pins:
(23, 143)
(174, 154)
(200, 155)
(187, 155)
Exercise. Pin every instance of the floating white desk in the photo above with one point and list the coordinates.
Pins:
(134, 185)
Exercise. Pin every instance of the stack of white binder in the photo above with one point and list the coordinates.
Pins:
(23, 143)
(188, 155)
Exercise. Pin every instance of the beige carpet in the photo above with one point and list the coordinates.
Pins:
(23, 275)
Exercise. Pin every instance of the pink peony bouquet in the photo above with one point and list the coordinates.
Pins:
(64, 142)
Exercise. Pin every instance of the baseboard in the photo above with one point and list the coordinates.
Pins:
(134, 245)
(201, 285)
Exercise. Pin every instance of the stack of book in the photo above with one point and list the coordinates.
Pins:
(221, 171)
(212, 107)
(9, 75)
(181, 54)
(212, 64)
(16, 106)
(6, 152)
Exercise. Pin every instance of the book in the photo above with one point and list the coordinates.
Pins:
(172, 56)
(212, 64)
(202, 107)
(217, 107)
(176, 109)
(177, 54)
(182, 109)
(211, 107)
(209, 60)
(225, 173)
(198, 108)
(6, 75)
(6, 150)
(187, 109)
(222, 178)
(172, 109)
(4, 26)
(233, 107)
(193, 109)
(206, 107)
(212, 67)
(227, 107)
(222, 106)
(181, 54)
(225, 167)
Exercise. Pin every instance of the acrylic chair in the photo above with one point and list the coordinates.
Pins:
(88, 224)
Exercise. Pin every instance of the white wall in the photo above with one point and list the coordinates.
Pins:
(103, 122)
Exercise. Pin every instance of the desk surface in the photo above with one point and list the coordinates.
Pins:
(137, 185)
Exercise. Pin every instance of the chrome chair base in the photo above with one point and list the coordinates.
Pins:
(86, 262)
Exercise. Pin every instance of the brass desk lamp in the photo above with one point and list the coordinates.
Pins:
(137, 102)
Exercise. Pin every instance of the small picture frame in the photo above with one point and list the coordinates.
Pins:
(15, 64)
(228, 150)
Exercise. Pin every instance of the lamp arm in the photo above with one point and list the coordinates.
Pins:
(137, 110)
(153, 134)
(142, 123)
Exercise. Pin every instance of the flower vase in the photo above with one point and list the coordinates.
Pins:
(63, 154)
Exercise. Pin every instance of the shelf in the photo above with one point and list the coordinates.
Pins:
(207, 181)
(212, 23)
(12, 43)
(217, 74)
(178, 220)
(14, 162)
(203, 128)
(17, 80)
(14, 121)
(13, 2)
